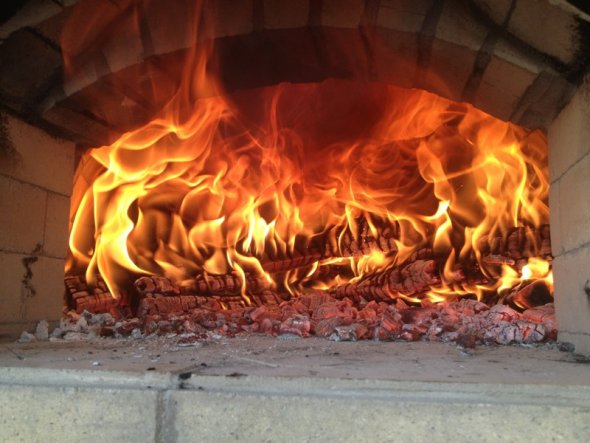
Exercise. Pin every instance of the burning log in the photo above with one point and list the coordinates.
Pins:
(466, 322)
(496, 259)
(362, 309)
(421, 271)
(81, 297)
(364, 242)
(527, 294)
(411, 277)
(521, 331)
(297, 325)
(168, 305)
(277, 266)
(322, 247)
(206, 285)
(97, 303)
(156, 285)
(545, 315)
(228, 284)
(160, 295)
(521, 242)
(179, 304)
(353, 332)
(266, 298)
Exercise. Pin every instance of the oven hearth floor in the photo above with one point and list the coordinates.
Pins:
(266, 389)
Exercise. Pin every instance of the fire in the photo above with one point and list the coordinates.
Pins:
(221, 182)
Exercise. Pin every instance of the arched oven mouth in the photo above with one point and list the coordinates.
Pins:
(294, 220)
(378, 170)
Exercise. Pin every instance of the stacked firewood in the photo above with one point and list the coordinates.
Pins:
(160, 295)
(82, 297)
(415, 276)
(367, 308)
(228, 288)
(466, 322)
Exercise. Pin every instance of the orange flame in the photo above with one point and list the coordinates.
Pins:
(221, 182)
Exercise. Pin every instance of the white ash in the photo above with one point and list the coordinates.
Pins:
(26, 337)
(42, 330)
(465, 322)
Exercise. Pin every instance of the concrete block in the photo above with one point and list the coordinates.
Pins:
(342, 13)
(572, 304)
(395, 57)
(581, 341)
(29, 14)
(555, 218)
(27, 64)
(569, 134)
(52, 27)
(56, 225)
(84, 76)
(74, 414)
(496, 10)
(450, 68)
(26, 299)
(169, 27)
(574, 208)
(404, 15)
(48, 282)
(548, 95)
(234, 17)
(346, 55)
(11, 273)
(83, 128)
(504, 50)
(333, 410)
(501, 87)
(41, 159)
(22, 215)
(115, 109)
(546, 27)
(279, 14)
(125, 47)
(457, 26)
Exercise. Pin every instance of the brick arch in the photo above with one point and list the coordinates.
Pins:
(440, 46)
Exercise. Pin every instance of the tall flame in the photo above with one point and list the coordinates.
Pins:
(222, 182)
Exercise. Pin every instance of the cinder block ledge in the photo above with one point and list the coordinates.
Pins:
(182, 404)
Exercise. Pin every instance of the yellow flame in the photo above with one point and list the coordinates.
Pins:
(216, 183)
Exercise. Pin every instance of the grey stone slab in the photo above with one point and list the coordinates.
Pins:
(572, 306)
(302, 418)
(569, 133)
(78, 378)
(293, 410)
(33, 413)
(265, 389)
(573, 208)
(312, 357)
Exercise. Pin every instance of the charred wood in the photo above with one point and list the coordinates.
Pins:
(228, 284)
(520, 242)
(82, 297)
(412, 277)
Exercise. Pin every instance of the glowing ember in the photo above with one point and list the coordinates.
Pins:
(315, 186)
